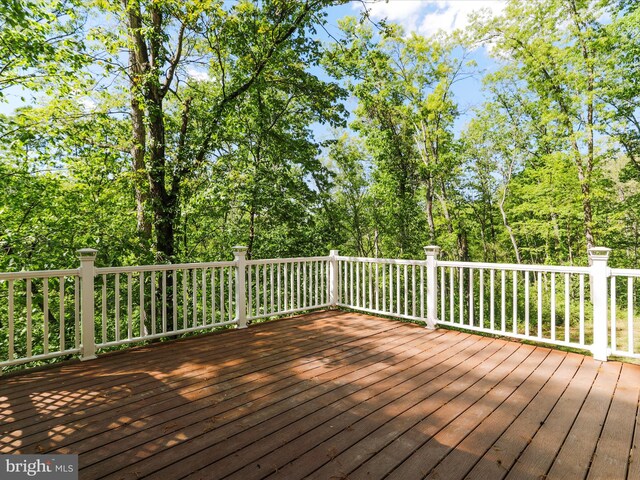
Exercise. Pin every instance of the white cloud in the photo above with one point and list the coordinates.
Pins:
(198, 75)
(450, 16)
(427, 17)
(406, 13)
(88, 104)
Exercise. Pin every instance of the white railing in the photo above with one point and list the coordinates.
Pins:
(625, 312)
(542, 303)
(112, 306)
(285, 286)
(383, 286)
(150, 302)
(557, 305)
(79, 311)
(39, 315)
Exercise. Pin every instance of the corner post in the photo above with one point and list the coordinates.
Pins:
(240, 257)
(599, 273)
(431, 252)
(87, 273)
(333, 278)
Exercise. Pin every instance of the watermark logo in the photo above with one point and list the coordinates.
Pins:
(36, 467)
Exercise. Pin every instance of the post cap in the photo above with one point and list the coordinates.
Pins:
(333, 252)
(430, 250)
(600, 253)
(87, 253)
(239, 251)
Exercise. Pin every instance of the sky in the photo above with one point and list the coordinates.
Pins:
(427, 17)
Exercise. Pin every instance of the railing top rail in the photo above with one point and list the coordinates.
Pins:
(237, 303)
(162, 268)
(39, 274)
(392, 261)
(625, 272)
(515, 267)
(267, 261)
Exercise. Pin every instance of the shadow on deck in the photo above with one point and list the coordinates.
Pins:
(331, 395)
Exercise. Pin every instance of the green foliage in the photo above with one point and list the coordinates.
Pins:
(210, 141)
(52, 208)
(41, 45)
(405, 115)
(170, 131)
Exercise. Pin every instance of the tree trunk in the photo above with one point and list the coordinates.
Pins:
(569, 242)
(163, 203)
(463, 244)
(376, 246)
(252, 232)
(138, 144)
(584, 172)
(445, 210)
(556, 230)
(430, 221)
(507, 226)
(139, 177)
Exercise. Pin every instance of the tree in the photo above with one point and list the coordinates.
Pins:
(175, 126)
(353, 206)
(552, 47)
(619, 51)
(40, 45)
(268, 170)
(64, 187)
(405, 114)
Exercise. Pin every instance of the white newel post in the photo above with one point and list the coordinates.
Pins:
(240, 257)
(431, 251)
(333, 278)
(87, 273)
(599, 274)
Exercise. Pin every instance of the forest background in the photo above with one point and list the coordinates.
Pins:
(170, 130)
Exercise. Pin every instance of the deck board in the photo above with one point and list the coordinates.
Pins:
(463, 457)
(575, 455)
(328, 437)
(540, 453)
(611, 457)
(441, 434)
(331, 395)
(437, 408)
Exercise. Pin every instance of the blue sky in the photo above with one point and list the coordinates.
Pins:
(422, 16)
(426, 17)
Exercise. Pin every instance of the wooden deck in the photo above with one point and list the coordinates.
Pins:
(329, 396)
